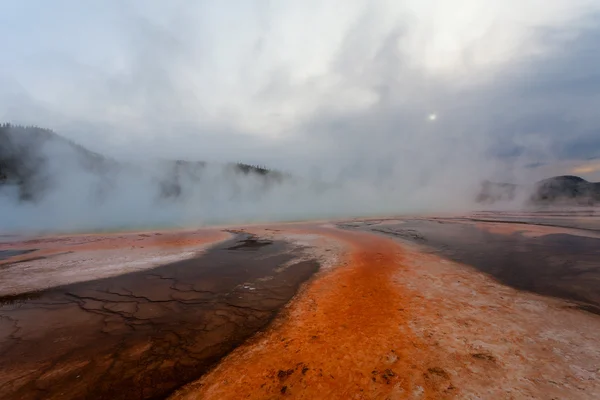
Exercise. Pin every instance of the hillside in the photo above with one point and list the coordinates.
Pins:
(565, 190)
(25, 153)
(33, 160)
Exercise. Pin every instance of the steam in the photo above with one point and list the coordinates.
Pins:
(125, 196)
(338, 95)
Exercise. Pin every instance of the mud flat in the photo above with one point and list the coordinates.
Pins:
(141, 334)
(561, 261)
(392, 320)
(580, 218)
(401, 308)
(346, 335)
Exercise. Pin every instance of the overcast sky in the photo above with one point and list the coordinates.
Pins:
(349, 87)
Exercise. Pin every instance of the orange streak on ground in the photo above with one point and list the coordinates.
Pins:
(345, 336)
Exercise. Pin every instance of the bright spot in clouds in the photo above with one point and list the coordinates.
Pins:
(432, 117)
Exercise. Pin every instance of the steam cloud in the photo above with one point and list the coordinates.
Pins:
(336, 94)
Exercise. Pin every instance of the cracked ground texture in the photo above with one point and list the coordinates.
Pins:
(393, 314)
(346, 336)
(393, 321)
(143, 334)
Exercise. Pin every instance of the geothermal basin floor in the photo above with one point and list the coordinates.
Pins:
(400, 308)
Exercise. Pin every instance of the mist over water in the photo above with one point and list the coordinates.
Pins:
(367, 108)
(69, 197)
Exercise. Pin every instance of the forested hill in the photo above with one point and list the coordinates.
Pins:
(35, 160)
(567, 190)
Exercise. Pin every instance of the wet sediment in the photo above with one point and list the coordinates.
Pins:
(559, 264)
(5, 254)
(144, 334)
(347, 336)
(390, 321)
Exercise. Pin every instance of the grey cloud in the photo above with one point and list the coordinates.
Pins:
(523, 116)
(384, 156)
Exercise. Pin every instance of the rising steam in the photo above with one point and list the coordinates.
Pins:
(363, 108)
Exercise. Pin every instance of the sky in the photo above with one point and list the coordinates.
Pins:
(377, 90)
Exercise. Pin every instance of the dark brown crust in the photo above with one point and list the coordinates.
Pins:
(143, 334)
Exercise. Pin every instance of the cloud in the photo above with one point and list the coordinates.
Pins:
(586, 168)
(340, 90)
